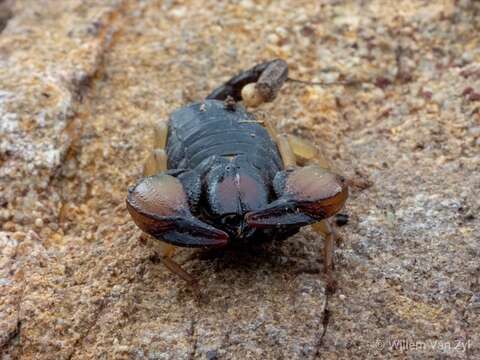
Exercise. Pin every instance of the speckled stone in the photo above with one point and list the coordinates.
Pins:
(80, 86)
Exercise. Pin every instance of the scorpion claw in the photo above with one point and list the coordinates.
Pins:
(277, 213)
(195, 233)
(159, 206)
(307, 195)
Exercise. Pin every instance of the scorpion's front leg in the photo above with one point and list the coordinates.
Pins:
(254, 86)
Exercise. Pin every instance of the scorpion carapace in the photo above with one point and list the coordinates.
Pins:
(219, 176)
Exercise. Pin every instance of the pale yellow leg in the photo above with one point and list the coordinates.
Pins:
(160, 133)
(166, 253)
(295, 150)
(156, 162)
(272, 131)
(286, 152)
(307, 153)
(325, 229)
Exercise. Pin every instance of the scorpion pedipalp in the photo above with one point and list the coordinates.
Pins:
(159, 206)
(306, 195)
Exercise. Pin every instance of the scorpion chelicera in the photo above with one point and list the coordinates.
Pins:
(217, 176)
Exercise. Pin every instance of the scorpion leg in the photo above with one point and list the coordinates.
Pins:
(272, 131)
(295, 150)
(326, 230)
(160, 133)
(166, 253)
(286, 152)
(256, 85)
(157, 160)
(306, 152)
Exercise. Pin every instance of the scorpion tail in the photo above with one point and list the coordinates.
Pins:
(256, 85)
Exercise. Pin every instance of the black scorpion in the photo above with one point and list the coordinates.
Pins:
(218, 177)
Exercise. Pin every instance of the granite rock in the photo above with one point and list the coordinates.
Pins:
(81, 82)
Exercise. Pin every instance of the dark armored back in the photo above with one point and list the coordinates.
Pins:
(200, 131)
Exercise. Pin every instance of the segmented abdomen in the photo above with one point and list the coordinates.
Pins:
(202, 130)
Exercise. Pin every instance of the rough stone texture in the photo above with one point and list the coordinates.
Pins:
(80, 84)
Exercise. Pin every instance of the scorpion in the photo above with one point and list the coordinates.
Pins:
(218, 177)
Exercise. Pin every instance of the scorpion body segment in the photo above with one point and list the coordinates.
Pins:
(204, 130)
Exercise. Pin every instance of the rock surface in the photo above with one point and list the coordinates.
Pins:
(81, 83)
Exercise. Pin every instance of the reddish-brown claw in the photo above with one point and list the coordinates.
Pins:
(306, 195)
(159, 206)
